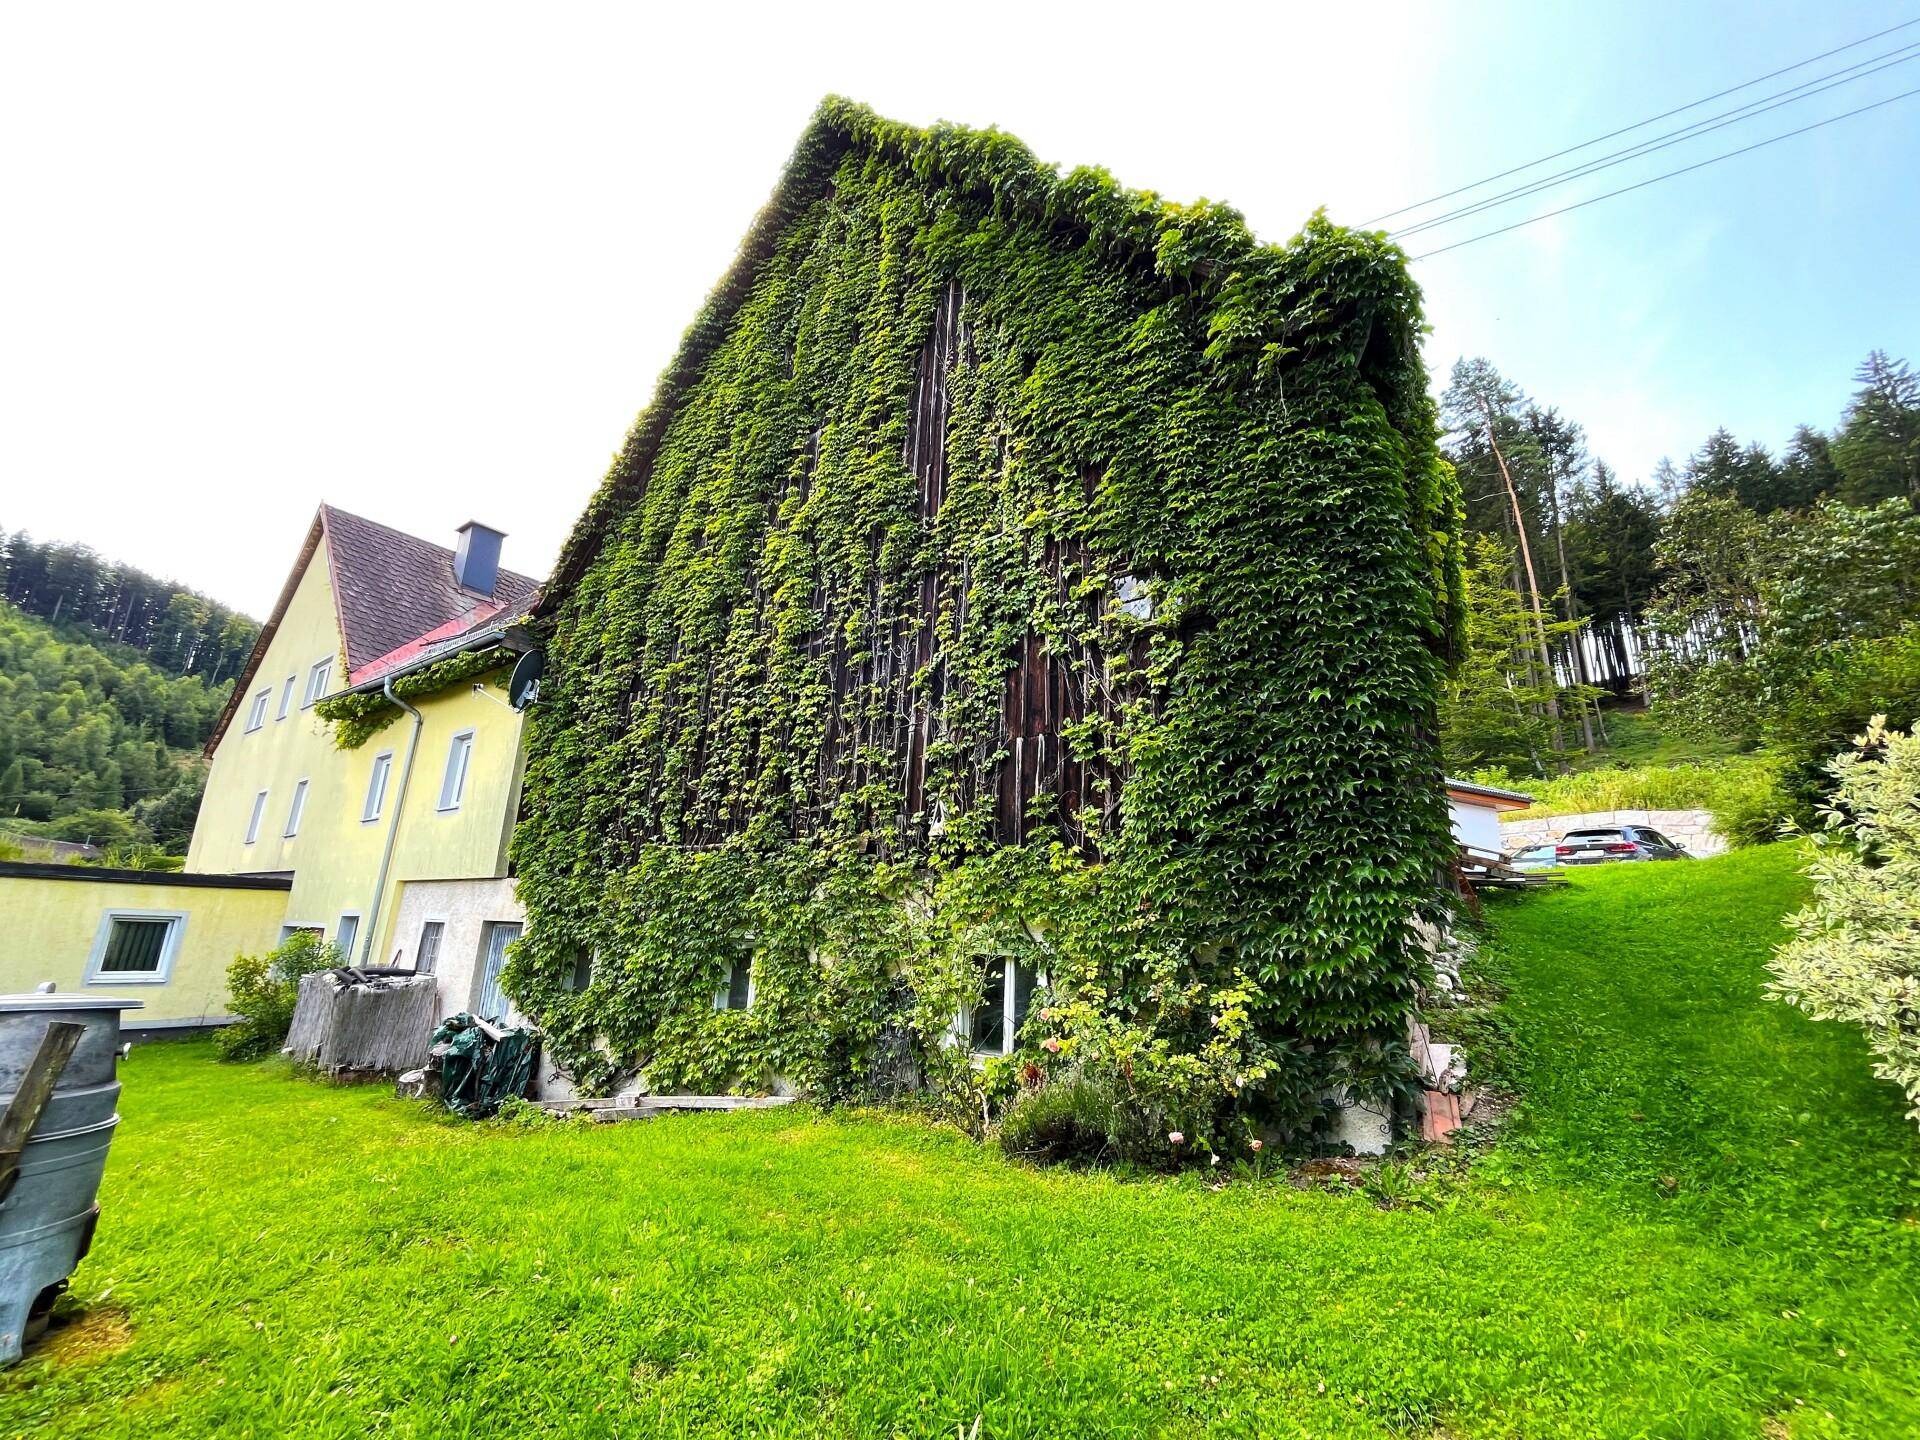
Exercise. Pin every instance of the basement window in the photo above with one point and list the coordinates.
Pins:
(136, 947)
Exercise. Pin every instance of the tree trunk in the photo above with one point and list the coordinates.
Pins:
(1533, 583)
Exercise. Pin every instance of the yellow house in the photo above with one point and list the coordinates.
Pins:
(383, 827)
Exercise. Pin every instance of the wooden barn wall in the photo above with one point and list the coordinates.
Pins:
(1047, 686)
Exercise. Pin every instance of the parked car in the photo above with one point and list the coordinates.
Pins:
(1535, 857)
(1623, 842)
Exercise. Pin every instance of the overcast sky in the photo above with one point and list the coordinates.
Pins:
(426, 262)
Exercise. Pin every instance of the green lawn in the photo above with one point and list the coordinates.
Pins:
(1702, 1223)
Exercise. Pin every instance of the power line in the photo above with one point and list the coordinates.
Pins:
(1662, 142)
(1642, 124)
(1684, 169)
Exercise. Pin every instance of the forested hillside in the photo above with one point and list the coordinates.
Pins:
(97, 740)
(1753, 600)
(177, 629)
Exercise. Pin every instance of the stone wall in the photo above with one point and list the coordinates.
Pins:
(1691, 830)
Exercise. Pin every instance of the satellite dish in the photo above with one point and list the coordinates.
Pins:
(523, 686)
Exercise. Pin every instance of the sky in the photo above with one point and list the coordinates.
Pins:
(426, 261)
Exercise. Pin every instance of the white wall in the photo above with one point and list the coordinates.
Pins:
(464, 907)
(1475, 825)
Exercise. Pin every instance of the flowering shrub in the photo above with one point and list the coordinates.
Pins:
(1855, 952)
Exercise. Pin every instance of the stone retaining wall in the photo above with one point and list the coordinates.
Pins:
(1691, 830)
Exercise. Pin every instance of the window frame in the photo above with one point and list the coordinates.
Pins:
(319, 676)
(169, 947)
(460, 743)
(291, 928)
(286, 698)
(257, 712)
(375, 803)
(255, 816)
(296, 808)
(1010, 1023)
(438, 924)
(347, 951)
(723, 997)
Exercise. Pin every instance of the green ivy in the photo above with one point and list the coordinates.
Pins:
(1244, 428)
(358, 716)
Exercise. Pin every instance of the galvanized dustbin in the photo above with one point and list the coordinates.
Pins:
(47, 1218)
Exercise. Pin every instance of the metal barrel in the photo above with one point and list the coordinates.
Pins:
(47, 1217)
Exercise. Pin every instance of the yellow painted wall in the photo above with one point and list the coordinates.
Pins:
(52, 926)
(335, 857)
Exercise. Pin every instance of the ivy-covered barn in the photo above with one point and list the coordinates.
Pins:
(1004, 654)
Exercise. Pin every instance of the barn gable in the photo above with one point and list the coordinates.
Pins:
(989, 512)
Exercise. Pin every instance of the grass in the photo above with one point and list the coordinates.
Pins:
(1701, 1223)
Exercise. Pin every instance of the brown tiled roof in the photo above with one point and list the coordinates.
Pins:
(391, 587)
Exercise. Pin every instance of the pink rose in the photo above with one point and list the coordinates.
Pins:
(1259, 1144)
(1174, 1137)
(1050, 1045)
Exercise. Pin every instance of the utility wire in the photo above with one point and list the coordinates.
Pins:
(1642, 124)
(1672, 138)
(1684, 169)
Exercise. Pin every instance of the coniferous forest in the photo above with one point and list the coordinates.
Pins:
(110, 683)
(1752, 601)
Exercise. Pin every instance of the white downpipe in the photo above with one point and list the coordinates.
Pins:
(393, 828)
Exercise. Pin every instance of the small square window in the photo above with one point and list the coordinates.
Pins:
(135, 947)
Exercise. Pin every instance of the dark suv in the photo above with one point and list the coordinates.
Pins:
(1623, 842)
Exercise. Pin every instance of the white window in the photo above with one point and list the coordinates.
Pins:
(318, 679)
(253, 820)
(377, 786)
(345, 934)
(136, 947)
(257, 714)
(992, 1027)
(499, 935)
(296, 809)
(453, 785)
(737, 993)
(286, 697)
(427, 954)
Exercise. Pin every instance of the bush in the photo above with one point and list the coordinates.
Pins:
(1073, 1119)
(1855, 952)
(263, 989)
